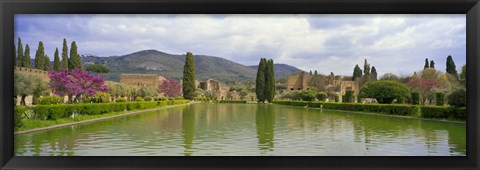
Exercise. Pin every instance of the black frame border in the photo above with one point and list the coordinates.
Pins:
(10, 7)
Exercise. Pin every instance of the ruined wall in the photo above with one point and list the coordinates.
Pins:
(147, 80)
(33, 72)
(294, 82)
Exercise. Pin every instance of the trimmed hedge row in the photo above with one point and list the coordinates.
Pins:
(232, 101)
(396, 109)
(66, 110)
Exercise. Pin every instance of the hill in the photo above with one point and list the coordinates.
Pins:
(171, 65)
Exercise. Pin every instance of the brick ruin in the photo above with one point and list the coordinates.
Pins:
(146, 80)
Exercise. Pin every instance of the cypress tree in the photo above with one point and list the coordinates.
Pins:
(316, 73)
(426, 64)
(56, 61)
(14, 55)
(432, 64)
(74, 57)
(39, 55)
(20, 53)
(366, 68)
(374, 73)
(260, 81)
(269, 81)
(451, 68)
(46, 63)
(311, 72)
(65, 55)
(357, 72)
(188, 83)
(26, 58)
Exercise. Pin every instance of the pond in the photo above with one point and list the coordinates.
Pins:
(248, 130)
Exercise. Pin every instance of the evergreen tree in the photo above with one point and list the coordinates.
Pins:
(451, 68)
(65, 55)
(20, 53)
(56, 61)
(260, 80)
(357, 72)
(46, 63)
(269, 81)
(374, 73)
(366, 69)
(432, 64)
(14, 55)
(426, 64)
(316, 73)
(26, 58)
(311, 72)
(188, 83)
(74, 58)
(39, 56)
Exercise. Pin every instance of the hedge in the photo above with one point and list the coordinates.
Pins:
(53, 112)
(18, 112)
(232, 101)
(396, 109)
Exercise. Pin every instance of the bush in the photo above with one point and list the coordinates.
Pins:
(385, 91)
(337, 99)
(308, 95)
(348, 97)
(232, 101)
(458, 98)
(139, 99)
(444, 112)
(121, 100)
(49, 100)
(148, 98)
(415, 98)
(440, 99)
(18, 115)
(321, 96)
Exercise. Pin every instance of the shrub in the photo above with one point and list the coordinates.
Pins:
(18, 115)
(102, 97)
(458, 98)
(148, 98)
(385, 91)
(139, 99)
(308, 95)
(337, 99)
(321, 96)
(348, 97)
(232, 101)
(415, 98)
(49, 100)
(440, 99)
(121, 100)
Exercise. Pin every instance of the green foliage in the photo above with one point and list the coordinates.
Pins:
(75, 61)
(269, 81)
(385, 91)
(260, 80)
(120, 100)
(389, 76)
(148, 98)
(366, 69)
(232, 101)
(426, 64)
(463, 75)
(373, 74)
(50, 100)
(188, 83)
(337, 98)
(349, 97)
(18, 115)
(147, 91)
(357, 72)
(458, 98)
(415, 97)
(40, 57)
(308, 95)
(56, 61)
(138, 99)
(65, 59)
(451, 68)
(102, 97)
(98, 68)
(440, 99)
(443, 112)
(26, 57)
(432, 64)
(20, 53)
(321, 96)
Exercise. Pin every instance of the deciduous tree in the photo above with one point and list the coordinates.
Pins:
(170, 87)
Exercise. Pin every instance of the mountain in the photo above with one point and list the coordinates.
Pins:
(281, 70)
(171, 66)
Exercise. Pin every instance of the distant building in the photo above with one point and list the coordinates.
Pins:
(331, 84)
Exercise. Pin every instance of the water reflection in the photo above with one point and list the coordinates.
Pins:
(265, 121)
(188, 129)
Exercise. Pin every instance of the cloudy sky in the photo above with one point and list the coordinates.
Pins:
(392, 43)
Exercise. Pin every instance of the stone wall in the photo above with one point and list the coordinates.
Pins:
(147, 80)
(33, 72)
(333, 84)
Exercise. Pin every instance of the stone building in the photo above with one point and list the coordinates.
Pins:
(333, 85)
(147, 80)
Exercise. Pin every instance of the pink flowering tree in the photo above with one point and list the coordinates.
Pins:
(78, 83)
(423, 86)
(170, 87)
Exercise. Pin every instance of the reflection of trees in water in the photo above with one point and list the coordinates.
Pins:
(265, 120)
(188, 129)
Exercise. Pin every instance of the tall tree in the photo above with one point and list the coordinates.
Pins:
(188, 84)
(20, 53)
(269, 81)
(463, 75)
(451, 68)
(366, 69)
(56, 61)
(46, 63)
(14, 55)
(39, 56)
(357, 72)
(311, 72)
(432, 64)
(260, 80)
(26, 58)
(75, 62)
(65, 55)
(426, 64)
(374, 73)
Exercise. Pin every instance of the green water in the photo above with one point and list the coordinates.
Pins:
(248, 129)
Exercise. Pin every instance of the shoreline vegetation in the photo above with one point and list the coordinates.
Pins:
(44, 117)
(443, 113)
